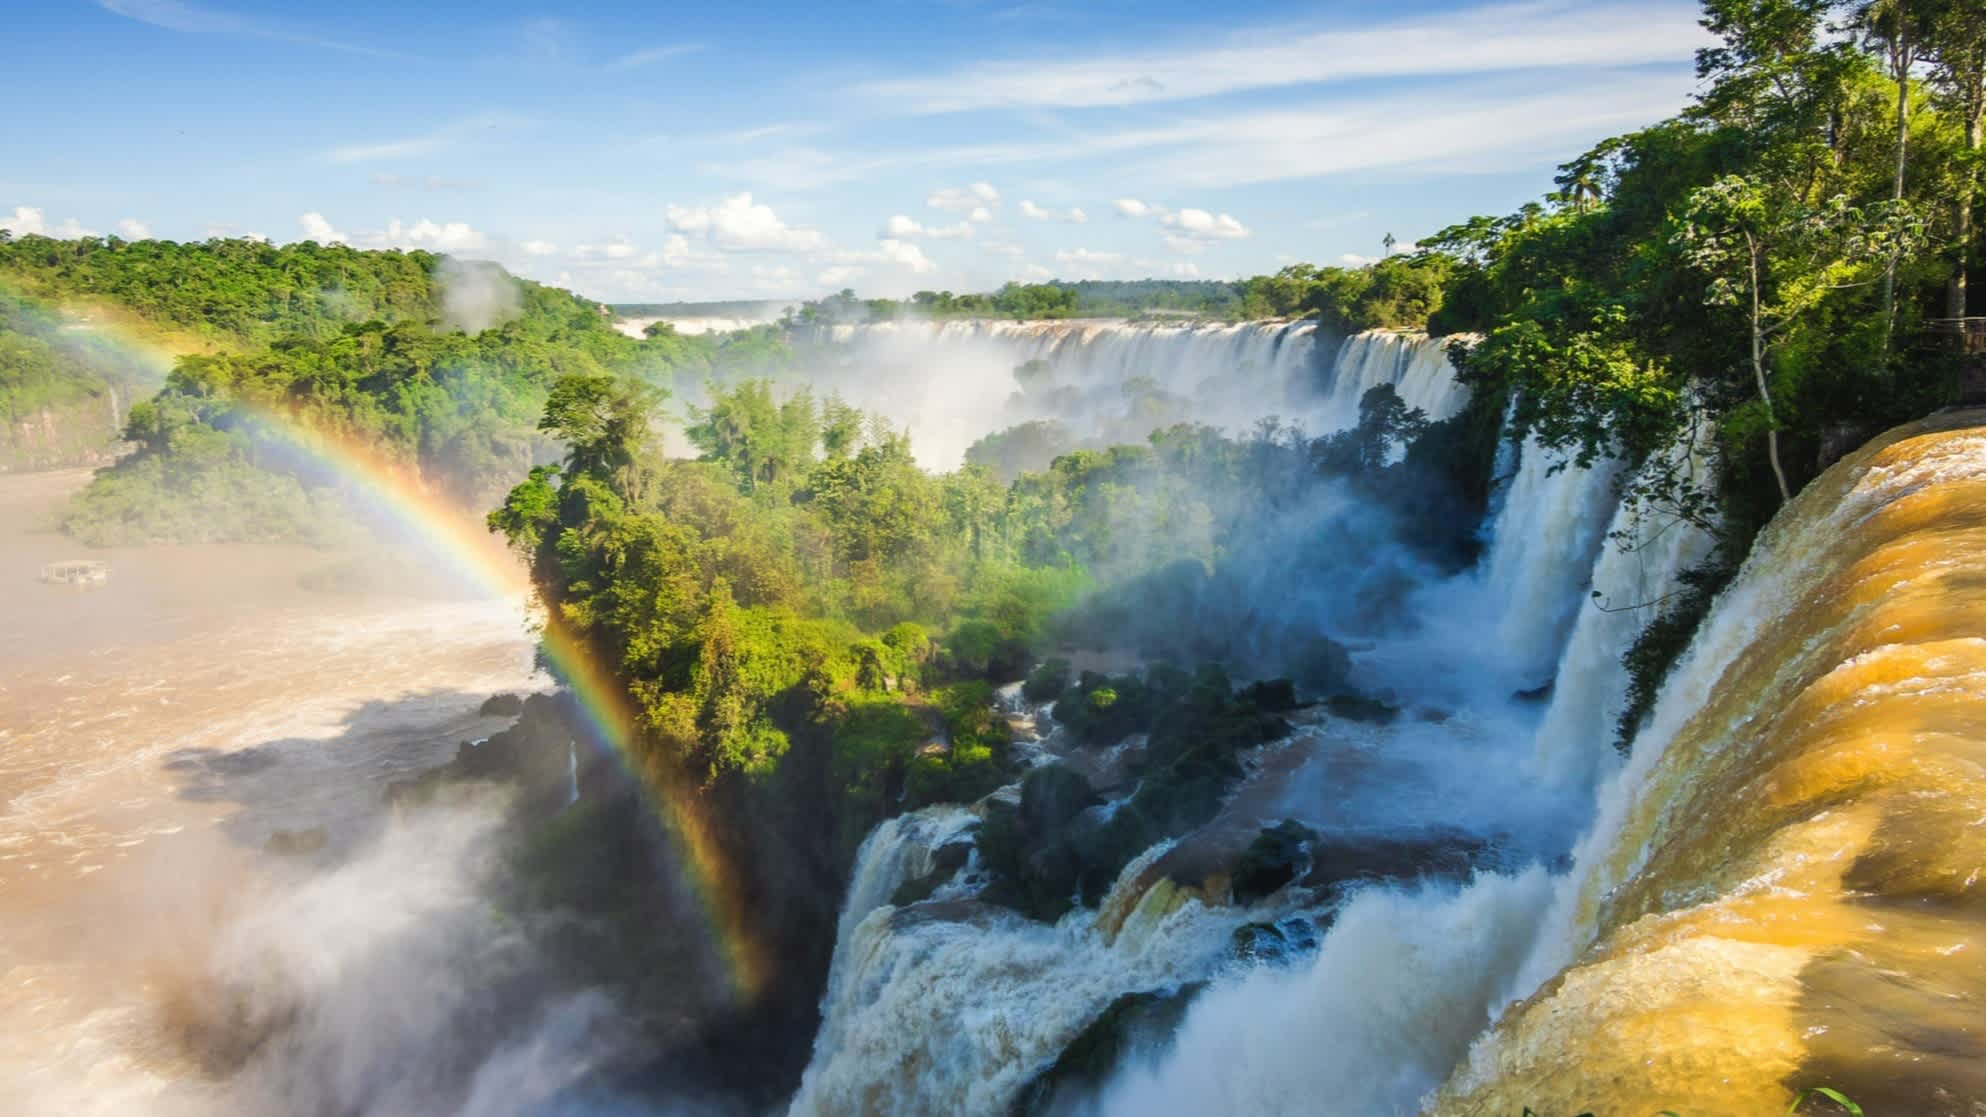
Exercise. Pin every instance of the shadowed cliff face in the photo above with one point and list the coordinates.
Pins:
(1783, 889)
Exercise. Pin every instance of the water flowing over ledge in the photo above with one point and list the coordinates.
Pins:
(1781, 889)
(954, 1005)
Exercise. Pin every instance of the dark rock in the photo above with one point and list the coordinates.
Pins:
(946, 861)
(1358, 707)
(1278, 856)
(1143, 1022)
(296, 843)
(1536, 694)
(1274, 695)
(501, 706)
(1276, 944)
(1342, 859)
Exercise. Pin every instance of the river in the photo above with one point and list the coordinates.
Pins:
(157, 731)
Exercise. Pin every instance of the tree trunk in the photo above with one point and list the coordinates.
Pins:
(1765, 392)
(1900, 58)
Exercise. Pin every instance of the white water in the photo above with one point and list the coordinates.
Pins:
(1638, 569)
(953, 382)
(955, 1010)
(1541, 558)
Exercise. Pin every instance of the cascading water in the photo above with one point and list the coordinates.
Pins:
(954, 1005)
(1637, 572)
(1541, 557)
(1778, 890)
(1109, 381)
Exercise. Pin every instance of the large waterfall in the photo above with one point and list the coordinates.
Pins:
(951, 1005)
(954, 382)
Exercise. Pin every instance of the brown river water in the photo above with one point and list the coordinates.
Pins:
(156, 731)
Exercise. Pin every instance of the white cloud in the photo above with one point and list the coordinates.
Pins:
(178, 15)
(539, 248)
(1087, 256)
(737, 224)
(1190, 230)
(890, 252)
(452, 236)
(907, 255)
(316, 227)
(901, 227)
(1354, 260)
(1067, 216)
(839, 275)
(980, 215)
(1200, 223)
(30, 221)
(1002, 248)
(968, 199)
(130, 228)
(1555, 34)
(26, 221)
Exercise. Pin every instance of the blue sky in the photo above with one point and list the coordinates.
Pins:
(679, 151)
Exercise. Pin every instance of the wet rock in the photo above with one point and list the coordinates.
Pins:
(1343, 859)
(946, 861)
(1136, 1022)
(501, 706)
(1536, 694)
(1276, 858)
(1276, 944)
(296, 843)
(1358, 707)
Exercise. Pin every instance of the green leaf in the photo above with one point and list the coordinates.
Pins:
(1834, 1096)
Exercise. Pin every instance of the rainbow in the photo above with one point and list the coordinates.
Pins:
(394, 491)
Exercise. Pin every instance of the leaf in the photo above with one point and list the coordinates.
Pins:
(1834, 1096)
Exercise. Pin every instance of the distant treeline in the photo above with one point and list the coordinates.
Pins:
(1399, 292)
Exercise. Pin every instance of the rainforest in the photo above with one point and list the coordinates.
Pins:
(597, 668)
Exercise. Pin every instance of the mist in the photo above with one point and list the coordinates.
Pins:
(476, 295)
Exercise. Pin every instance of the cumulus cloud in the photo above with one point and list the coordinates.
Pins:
(972, 200)
(839, 275)
(1200, 223)
(1132, 207)
(900, 227)
(26, 221)
(432, 236)
(1002, 248)
(539, 248)
(453, 236)
(907, 255)
(1071, 216)
(316, 227)
(30, 221)
(1086, 256)
(737, 224)
(130, 228)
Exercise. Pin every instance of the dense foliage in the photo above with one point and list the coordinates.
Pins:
(1757, 279)
(62, 391)
(436, 369)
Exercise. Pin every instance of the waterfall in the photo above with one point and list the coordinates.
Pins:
(1778, 879)
(1108, 381)
(953, 1005)
(1542, 550)
(1638, 570)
